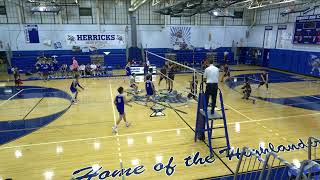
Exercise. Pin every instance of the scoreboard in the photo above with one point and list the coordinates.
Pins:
(307, 30)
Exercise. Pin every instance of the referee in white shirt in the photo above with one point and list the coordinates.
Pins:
(211, 75)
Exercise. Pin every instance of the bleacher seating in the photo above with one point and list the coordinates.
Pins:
(25, 60)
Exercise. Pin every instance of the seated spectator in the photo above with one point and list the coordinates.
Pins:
(93, 69)
(64, 71)
(88, 69)
(82, 70)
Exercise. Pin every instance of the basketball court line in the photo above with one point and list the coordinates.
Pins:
(252, 120)
(17, 94)
(231, 123)
(275, 118)
(279, 105)
(297, 92)
(92, 138)
(4, 102)
(33, 108)
(115, 123)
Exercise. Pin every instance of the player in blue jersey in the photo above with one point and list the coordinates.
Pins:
(133, 84)
(151, 92)
(74, 88)
(128, 69)
(120, 101)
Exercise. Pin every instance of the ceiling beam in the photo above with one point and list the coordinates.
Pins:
(135, 4)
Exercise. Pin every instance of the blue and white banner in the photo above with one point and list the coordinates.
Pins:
(96, 40)
(31, 34)
(180, 37)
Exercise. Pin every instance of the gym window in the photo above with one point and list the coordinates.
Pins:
(238, 14)
(3, 10)
(85, 11)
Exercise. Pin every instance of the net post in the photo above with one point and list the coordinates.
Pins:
(201, 85)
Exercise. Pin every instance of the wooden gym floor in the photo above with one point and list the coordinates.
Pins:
(82, 136)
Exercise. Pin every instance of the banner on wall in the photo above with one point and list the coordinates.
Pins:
(180, 38)
(31, 34)
(268, 28)
(95, 40)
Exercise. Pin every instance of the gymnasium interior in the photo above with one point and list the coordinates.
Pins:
(64, 63)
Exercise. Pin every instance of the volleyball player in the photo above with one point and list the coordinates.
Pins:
(149, 89)
(246, 89)
(264, 79)
(133, 84)
(193, 87)
(74, 88)
(128, 69)
(163, 74)
(150, 72)
(226, 71)
(171, 77)
(120, 101)
(16, 75)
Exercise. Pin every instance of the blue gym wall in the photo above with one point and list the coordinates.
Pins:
(283, 55)
(155, 38)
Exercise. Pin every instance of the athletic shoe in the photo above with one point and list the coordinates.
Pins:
(73, 101)
(128, 124)
(114, 129)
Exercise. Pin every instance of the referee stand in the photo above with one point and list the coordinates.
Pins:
(205, 121)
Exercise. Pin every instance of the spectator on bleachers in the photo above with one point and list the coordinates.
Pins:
(186, 64)
(99, 72)
(93, 69)
(55, 67)
(16, 76)
(225, 56)
(255, 57)
(82, 70)
(75, 65)
(45, 71)
(205, 64)
(102, 69)
(88, 70)
(71, 71)
(64, 71)
(128, 68)
(38, 66)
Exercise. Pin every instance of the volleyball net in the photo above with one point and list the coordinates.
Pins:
(185, 79)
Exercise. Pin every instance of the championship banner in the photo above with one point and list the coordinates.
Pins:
(31, 34)
(96, 40)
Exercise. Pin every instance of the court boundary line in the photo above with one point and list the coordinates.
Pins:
(17, 94)
(276, 118)
(91, 138)
(11, 97)
(33, 108)
(230, 123)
